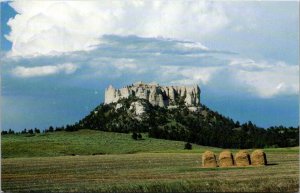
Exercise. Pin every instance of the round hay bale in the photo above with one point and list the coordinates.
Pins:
(226, 159)
(209, 160)
(258, 157)
(242, 158)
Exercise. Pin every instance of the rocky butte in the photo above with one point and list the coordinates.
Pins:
(163, 96)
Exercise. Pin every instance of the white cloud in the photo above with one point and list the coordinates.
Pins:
(27, 72)
(192, 45)
(268, 80)
(51, 27)
(125, 64)
(125, 59)
(262, 79)
(187, 75)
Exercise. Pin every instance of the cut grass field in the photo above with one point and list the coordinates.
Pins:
(150, 165)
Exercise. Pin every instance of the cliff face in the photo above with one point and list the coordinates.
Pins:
(163, 96)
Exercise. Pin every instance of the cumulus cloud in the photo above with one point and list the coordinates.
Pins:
(52, 27)
(166, 61)
(27, 72)
(184, 75)
(263, 79)
(268, 80)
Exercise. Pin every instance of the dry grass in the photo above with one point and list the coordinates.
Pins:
(242, 158)
(209, 159)
(258, 157)
(146, 172)
(226, 159)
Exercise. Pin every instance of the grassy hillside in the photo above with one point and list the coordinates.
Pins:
(91, 142)
(146, 172)
(86, 142)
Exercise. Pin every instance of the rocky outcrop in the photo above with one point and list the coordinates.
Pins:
(138, 108)
(163, 96)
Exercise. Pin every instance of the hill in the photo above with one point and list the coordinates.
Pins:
(204, 127)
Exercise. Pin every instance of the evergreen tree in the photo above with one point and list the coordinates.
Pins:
(51, 129)
(36, 130)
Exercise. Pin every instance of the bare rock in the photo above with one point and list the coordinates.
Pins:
(157, 95)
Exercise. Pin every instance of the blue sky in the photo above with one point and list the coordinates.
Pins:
(59, 56)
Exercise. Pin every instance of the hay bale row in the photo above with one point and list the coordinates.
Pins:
(242, 158)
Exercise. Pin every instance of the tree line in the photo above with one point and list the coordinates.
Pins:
(50, 129)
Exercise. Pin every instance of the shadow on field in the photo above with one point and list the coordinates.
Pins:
(99, 153)
(272, 164)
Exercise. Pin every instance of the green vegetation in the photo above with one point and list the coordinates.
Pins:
(206, 127)
(86, 142)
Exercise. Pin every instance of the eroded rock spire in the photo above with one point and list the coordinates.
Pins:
(163, 96)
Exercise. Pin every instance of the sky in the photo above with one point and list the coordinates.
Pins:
(57, 57)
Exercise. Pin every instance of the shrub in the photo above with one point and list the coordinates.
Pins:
(4, 132)
(188, 146)
(134, 135)
(139, 136)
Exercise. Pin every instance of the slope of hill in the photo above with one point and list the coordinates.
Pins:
(86, 142)
(204, 127)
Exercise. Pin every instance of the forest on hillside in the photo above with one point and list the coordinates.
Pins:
(205, 127)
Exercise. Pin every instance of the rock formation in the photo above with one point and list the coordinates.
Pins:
(163, 96)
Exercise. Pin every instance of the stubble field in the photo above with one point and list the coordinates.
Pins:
(148, 170)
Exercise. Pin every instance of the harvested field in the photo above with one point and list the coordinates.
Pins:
(41, 163)
(155, 172)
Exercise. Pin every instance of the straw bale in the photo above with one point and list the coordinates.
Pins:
(209, 159)
(242, 158)
(226, 159)
(258, 157)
